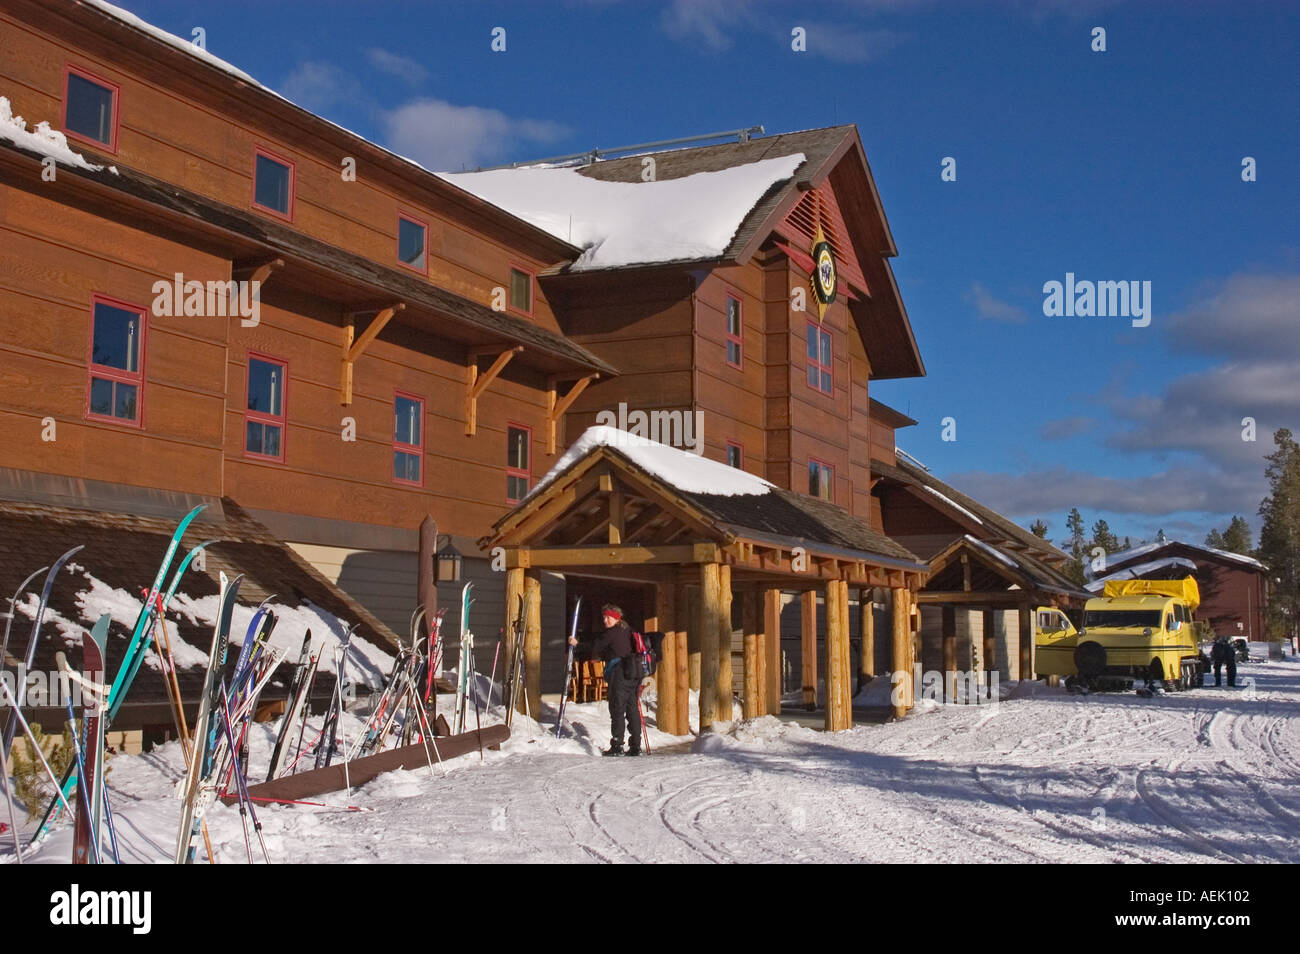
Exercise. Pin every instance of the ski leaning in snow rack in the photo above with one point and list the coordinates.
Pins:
(135, 652)
(515, 672)
(466, 659)
(198, 778)
(568, 668)
(292, 702)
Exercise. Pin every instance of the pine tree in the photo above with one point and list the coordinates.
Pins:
(1102, 537)
(1077, 547)
(1279, 533)
(1039, 529)
(1237, 537)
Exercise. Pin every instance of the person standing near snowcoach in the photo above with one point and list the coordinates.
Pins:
(615, 646)
(1224, 654)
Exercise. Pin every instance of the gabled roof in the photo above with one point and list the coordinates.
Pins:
(966, 510)
(1003, 568)
(1116, 560)
(732, 504)
(1167, 568)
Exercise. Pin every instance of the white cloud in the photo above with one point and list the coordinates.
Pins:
(318, 86)
(993, 308)
(446, 138)
(395, 64)
(1067, 427)
(1247, 316)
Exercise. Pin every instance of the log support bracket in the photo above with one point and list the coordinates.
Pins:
(354, 345)
(476, 383)
(557, 407)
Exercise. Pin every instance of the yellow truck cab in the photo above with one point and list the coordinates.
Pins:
(1140, 629)
(1055, 640)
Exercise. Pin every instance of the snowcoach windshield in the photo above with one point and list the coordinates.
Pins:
(1125, 618)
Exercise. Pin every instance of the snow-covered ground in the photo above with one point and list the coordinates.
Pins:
(1210, 775)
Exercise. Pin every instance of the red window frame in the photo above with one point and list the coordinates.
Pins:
(281, 420)
(737, 339)
(527, 474)
(532, 295)
(830, 479)
(111, 146)
(816, 362)
(117, 374)
(293, 183)
(416, 450)
(740, 448)
(424, 225)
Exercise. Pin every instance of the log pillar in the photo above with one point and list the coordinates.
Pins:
(901, 644)
(725, 691)
(750, 626)
(683, 680)
(691, 594)
(665, 622)
(846, 656)
(949, 631)
(838, 700)
(533, 643)
(708, 626)
(772, 648)
(808, 622)
(990, 649)
(426, 580)
(1026, 641)
(867, 629)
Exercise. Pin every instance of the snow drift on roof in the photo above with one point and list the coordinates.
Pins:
(42, 139)
(681, 469)
(952, 503)
(1160, 544)
(632, 223)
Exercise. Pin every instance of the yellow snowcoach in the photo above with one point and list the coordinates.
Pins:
(1055, 639)
(1140, 629)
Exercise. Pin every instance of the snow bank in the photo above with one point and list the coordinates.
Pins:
(678, 468)
(42, 139)
(632, 223)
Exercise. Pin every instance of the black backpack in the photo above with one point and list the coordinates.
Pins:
(646, 653)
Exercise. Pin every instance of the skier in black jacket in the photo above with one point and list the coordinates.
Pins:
(1223, 654)
(615, 646)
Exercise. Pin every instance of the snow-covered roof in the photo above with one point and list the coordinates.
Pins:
(992, 551)
(1139, 571)
(681, 469)
(632, 223)
(1146, 548)
(952, 503)
(42, 139)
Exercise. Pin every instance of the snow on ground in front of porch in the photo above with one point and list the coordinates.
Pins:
(690, 473)
(632, 223)
(1044, 776)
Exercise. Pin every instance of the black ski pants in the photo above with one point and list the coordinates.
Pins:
(1232, 672)
(623, 710)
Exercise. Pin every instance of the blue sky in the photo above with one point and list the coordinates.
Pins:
(1116, 165)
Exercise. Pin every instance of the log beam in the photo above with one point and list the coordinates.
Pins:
(354, 346)
(557, 407)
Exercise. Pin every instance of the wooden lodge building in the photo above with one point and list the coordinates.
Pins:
(423, 346)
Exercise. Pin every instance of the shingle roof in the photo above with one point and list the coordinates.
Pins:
(908, 473)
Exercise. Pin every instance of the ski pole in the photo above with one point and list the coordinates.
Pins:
(27, 731)
(76, 749)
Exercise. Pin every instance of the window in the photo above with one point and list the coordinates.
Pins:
(819, 359)
(521, 291)
(735, 455)
(273, 183)
(412, 243)
(519, 474)
(821, 480)
(408, 439)
(116, 387)
(90, 108)
(264, 417)
(735, 331)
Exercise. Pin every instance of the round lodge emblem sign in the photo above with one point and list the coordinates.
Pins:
(824, 276)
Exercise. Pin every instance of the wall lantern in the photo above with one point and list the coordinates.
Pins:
(447, 562)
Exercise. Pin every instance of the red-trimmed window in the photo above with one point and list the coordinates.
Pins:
(735, 332)
(115, 391)
(821, 479)
(90, 106)
(519, 462)
(735, 455)
(408, 439)
(273, 183)
(521, 290)
(413, 243)
(264, 416)
(820, 376)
